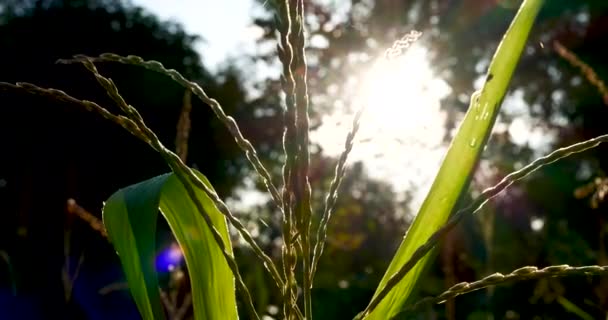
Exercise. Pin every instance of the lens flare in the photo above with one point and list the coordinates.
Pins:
(402, 130)
(170, 258)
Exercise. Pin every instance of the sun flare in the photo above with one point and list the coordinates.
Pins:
(402, 129)
(403, 93)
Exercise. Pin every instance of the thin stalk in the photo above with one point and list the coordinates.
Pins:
(180, 172)
(396, 50)
(94, 222)
(290, 169)
(183, 127)
(524, 273)
(184, 174)
(476, 206)
(11, 274)
(587, 71)
(87, 105)
(297, 190)
(332, 195)
(228, 121)
(303, 189)
(112, 91)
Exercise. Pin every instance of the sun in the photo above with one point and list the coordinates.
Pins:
(403, 95)
(402, 129)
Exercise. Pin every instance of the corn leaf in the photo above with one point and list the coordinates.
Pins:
(457, 168)
(130, 217)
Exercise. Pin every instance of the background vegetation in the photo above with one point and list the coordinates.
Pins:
(52, 152)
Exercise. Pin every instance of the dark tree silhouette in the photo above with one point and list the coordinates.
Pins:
(53, 151)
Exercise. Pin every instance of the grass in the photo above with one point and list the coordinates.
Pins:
(198, 217)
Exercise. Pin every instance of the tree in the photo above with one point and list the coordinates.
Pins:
(53, 151)
(558, 102)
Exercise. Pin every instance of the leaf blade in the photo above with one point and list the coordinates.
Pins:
(133, 238)
(456, 170)
(209, 297)
(130, 217)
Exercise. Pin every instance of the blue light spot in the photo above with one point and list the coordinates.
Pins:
(168, 259)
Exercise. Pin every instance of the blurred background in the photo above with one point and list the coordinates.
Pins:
(58, 163)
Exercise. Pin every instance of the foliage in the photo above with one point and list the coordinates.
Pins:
(456, 170)
(294, 199)
(130, 216)
(560, 106)
(53, 152)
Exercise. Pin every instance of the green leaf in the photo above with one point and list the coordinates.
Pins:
(572, 308)
(456, 170)
(130, 217)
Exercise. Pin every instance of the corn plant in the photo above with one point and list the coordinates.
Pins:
(199, 218)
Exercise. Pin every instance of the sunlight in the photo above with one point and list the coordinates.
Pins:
(403, 96)
(402, 130)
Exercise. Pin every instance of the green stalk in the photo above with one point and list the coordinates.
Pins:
(457, 168)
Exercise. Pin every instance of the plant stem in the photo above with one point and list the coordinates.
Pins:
(303, 190)
(136, 127)
(524, 273)
(332, 195)
(228, 121)
(475, 206)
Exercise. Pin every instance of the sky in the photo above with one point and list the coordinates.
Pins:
(225, 25)
(394, 144)
(401, 136)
